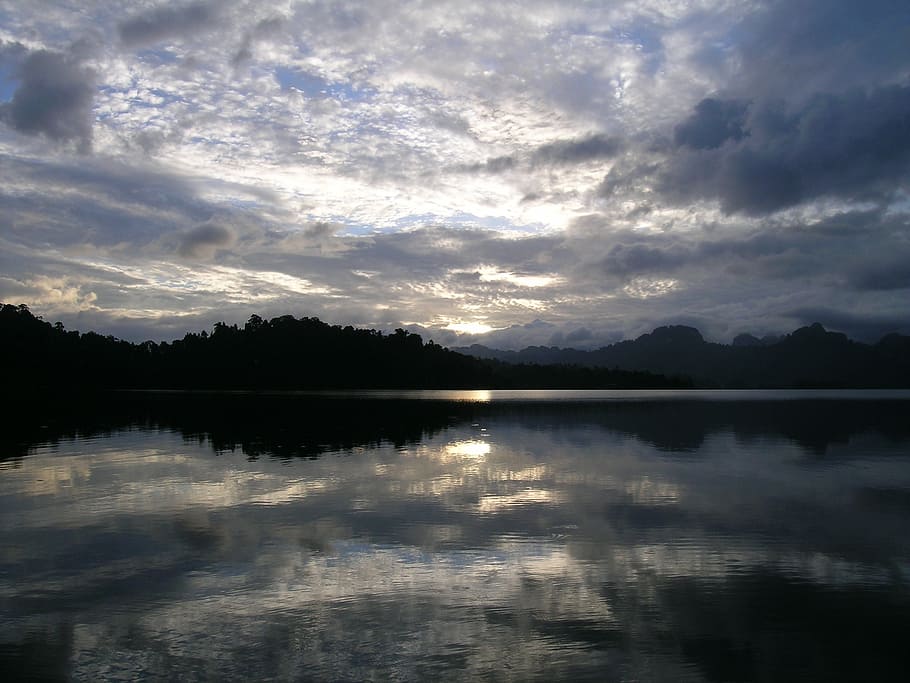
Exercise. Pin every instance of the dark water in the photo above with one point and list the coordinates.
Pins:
(664, 537)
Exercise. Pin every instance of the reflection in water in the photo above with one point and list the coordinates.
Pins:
(472, 448)
(256, 537)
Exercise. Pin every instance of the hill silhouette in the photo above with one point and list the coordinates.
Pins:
(808, 357)
(306, 353)
(281, 353)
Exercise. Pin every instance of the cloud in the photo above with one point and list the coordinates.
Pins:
(11, 54)
(864, 250)
(580, 150)
(54, 98)
(425, 162)
(853, 145)
(633, 259)
(202, 241)
(320, 230)
(263, 29)
(166, 21)
(883, 272)
(499, 164)
(53, 294)
(802, 47)
(713, 123)
(588, 148)
(98, 202)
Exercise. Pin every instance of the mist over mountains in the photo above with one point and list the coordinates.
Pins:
(808, 357)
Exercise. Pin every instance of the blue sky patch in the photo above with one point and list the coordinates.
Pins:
(157, 56)
(317, 87)
(8, 84)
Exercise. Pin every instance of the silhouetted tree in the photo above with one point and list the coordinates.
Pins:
(306, 353)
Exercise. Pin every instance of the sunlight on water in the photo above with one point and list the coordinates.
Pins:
(625, 542)
(467, 449)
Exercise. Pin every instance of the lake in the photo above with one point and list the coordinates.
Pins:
(628, 536)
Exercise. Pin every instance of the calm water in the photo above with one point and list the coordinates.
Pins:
(604, 536)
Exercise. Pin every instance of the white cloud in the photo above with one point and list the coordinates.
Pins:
(413, 129)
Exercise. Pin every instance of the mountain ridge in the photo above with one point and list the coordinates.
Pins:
(306, 353)
(808, 356)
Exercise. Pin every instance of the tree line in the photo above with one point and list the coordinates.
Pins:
(281, 353)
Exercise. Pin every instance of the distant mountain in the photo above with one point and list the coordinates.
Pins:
(306, 353)
(281, 353)
(808, 357)
(747, 339)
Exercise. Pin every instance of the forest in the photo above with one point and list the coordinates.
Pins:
(281, 353)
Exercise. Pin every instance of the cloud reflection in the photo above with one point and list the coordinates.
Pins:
(511, 539)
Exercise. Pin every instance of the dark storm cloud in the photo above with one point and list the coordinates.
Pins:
(624, 177)
(166, 21)
(104, 203)
(114, 179)
(713, 123)
(11, 54)
(853, 145)
(139, 186)
(589, 148)
(560, 152)
(799, 47)
(633, 259)
(203, 240)
(427, 252)
(861, 250)
(883, 273)
(54, 98)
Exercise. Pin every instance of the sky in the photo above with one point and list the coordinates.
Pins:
(508, 173)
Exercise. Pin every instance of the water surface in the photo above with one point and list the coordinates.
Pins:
(664, 536)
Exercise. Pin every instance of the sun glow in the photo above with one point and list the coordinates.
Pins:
(488, 273)
(470, 328)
